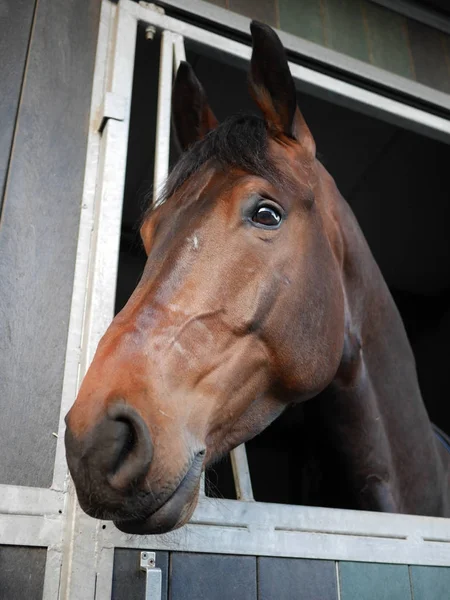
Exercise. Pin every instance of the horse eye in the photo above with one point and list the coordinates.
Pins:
(268, 216)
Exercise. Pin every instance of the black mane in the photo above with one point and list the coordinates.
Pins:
(240, 141)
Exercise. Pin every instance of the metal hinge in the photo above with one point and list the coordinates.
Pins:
(153, 579)
(113, 107)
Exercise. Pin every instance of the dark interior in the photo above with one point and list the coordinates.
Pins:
(397, 184)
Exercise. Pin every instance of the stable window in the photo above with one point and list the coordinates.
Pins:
(364, 136)
(365, 141)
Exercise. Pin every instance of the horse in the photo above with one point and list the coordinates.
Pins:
(259, 294)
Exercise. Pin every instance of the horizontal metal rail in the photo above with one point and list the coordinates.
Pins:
(30, 530)
(308, 80)
(20, 500)
(218, 17)
(231, 527)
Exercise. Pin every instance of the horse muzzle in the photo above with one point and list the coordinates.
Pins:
(111, 467)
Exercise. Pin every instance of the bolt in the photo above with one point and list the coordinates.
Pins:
(150, 32)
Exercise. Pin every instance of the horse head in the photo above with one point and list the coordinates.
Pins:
(239, 312)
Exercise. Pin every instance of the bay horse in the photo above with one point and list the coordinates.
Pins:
(259, 293)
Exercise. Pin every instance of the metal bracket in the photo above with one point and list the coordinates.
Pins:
(153, 579)
(152, 6)
(150, 30)
(113, 107)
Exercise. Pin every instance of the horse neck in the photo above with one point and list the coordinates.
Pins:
(374, 407)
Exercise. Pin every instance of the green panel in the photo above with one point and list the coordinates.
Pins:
(262, 10)
(344, 27)
(369, 581)
(302, 18)
(296, 579)
(430, 54)
(388, 40)
(430, 583)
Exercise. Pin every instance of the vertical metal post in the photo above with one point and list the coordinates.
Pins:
(202, 491)
(163, 114)
(179, 51)
(80, 550)
(241, 474)
(153, 580)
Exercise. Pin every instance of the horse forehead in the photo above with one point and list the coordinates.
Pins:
(198, 196)
(292, 162)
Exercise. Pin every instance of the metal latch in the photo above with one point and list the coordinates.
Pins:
(153, 577)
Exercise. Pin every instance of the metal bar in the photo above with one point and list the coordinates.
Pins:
(310, 81)
(241, 473)
(103, 587)
(99, 309)
(29, 530)
(52, 576)
(163, 114)
(282, 517)
(153, 576)
(202, 490)
(336, 61)
(20, 500)
(269, 542)
(230, 527)
(81, 551)
(179, 50)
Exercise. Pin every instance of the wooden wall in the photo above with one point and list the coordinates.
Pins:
(362, 30)
(47, 51)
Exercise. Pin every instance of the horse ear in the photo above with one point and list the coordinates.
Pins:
(192, 117)
(273, 88)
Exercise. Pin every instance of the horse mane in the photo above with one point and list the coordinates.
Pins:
(239, 141)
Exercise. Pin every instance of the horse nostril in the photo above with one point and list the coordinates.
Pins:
(123, 441)
(126, 439)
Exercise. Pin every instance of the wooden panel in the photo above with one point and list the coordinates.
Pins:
(212, 577)
(361, 29)
(129, 580)
(430, 52)
(296, 579)
(366, 581)
(262, 10)
(38, 234)
(388, 40)
(15, 26)
(302, 18)
(22, 572)
(344, 27)
(430, 583)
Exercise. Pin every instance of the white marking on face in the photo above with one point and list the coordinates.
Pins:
(165, 414)
(178, 347)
